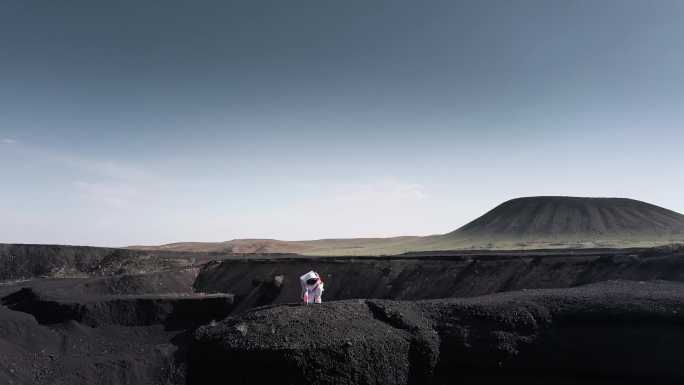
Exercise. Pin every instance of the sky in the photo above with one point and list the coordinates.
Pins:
(131, 122)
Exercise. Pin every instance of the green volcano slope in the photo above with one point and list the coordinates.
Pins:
(522, 223)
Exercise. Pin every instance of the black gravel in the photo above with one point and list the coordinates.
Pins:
(613, 331)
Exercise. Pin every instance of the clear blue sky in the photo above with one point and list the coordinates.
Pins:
(129, 122)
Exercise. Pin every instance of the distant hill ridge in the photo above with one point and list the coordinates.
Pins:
(521, 223)
(574, 217)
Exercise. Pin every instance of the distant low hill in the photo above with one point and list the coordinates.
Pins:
(344, 246)
(522, 223)
(571, 218)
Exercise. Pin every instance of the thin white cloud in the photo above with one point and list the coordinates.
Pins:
(105, 168)
(384, 192)
(110, 184)
(386, 207)
(100, 169)
(104, 182)
(110, 194)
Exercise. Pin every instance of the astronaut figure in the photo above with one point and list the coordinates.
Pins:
(312, 287)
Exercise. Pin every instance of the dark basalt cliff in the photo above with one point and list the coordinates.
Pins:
(257, 282)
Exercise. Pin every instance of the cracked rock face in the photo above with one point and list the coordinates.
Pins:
(613, 331)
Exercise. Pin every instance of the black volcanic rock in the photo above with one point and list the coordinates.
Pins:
(21, 261)
(75, 354)
(172, 310)
(336, 343)
(574, 218)
(464, 274)
(612, 331)
(123, 329)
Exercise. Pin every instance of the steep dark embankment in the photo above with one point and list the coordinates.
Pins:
(173, 311)
(261, 281)
(175, 281)
(616, 331)
(21, 261)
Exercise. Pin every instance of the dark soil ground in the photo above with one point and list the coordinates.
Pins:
(73, 353)
(131, 318)
(619, 331)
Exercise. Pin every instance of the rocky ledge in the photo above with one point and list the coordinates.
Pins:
(613, 331)
(175, 311)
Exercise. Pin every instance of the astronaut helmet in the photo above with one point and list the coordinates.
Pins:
(311, 278)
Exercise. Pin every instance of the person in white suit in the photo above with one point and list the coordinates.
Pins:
(312, 287)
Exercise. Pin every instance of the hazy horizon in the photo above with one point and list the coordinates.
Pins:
(128, 123)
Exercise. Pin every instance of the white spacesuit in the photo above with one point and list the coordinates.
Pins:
(312, 287)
